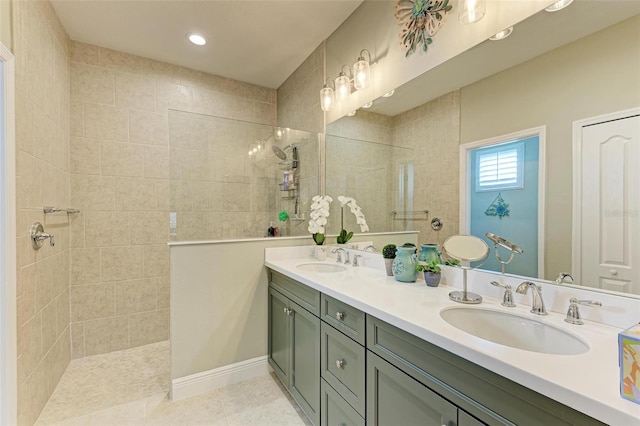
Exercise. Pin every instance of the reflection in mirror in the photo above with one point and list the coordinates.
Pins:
(369, 168)
(231, 179)
(465, 248)
(540, 75)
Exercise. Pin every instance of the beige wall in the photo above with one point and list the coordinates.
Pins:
(299, 95)
(219, 301)
(5, 24)
(592, 76)
(42, 178)
(120, 170)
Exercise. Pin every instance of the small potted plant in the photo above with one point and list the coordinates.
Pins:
(431, 271)
(389, 253)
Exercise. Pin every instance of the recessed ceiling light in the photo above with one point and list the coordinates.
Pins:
(352, 113)
(196, 39)
(558, 5)
(502, 34)
(368, 105)
(388, 94)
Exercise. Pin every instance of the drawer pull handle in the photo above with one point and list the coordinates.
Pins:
(340, 316)
(340, 363)
(288, 311)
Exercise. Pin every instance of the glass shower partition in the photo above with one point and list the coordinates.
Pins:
(231, 179)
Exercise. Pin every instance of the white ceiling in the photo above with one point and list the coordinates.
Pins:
(259, 41)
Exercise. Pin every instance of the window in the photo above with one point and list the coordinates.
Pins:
(500, 167)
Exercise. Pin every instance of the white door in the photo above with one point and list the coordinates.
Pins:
(610, 208)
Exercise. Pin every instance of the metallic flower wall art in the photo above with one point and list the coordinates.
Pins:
(420, 20)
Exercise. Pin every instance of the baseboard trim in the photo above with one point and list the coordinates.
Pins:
(205, 381)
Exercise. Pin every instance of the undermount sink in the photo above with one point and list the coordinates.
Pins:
(514, 330)
(323, 268)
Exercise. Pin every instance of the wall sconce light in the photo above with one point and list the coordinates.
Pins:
(470, 11)
(362, 71)
(327, 96)
(343, 84)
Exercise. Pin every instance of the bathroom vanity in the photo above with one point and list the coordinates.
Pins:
(355, 347)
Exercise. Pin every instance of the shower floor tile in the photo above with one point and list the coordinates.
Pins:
(130, 387)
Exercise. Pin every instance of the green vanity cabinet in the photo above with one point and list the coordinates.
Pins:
(345, 367)
(294, 348)
(487, 396)
(395, 398)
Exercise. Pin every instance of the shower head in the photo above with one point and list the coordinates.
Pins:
(498, 240)
(279, 153)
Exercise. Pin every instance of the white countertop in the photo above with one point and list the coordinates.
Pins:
(587, 382)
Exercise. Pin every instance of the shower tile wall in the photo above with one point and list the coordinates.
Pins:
(42, 178)
(433, 131)
(360, 164)
(120, 179)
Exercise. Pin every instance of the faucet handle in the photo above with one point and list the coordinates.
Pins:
(573, 313)
(507, 297)
(355, 260)
(339, 250)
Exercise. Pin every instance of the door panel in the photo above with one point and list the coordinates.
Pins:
(279, 335)
(305, 361)
(610, 211)
(394, 398)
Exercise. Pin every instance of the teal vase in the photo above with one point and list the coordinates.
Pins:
(429, 253)
(404, 265)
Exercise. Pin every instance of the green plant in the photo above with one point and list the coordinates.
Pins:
(433, 267)
(452, 262)
(344, 237)
(389, 251)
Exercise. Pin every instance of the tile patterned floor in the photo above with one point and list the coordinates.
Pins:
(130, 388)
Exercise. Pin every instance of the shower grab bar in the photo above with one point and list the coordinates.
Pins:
(410, 215)
(49, 209)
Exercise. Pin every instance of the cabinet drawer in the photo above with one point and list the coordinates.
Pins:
(343, 317)
(335, 410)
(343, 366)
(302, 294)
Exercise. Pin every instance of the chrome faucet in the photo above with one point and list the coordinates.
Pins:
(340, 250)
(537, 306)
(561, 277)
(371, 247)
(355, 260)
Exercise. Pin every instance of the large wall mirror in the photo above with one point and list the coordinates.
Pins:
(401, 156)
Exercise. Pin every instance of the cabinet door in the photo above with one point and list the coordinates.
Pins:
(305, 361)
(465, 419)
(280, 336)
(394, 398)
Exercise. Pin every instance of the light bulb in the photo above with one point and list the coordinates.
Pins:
(343, 87)
(558, 5)
(470, 11)
(327, 98)
(502, 34)
(361, 74)
(196, 39)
